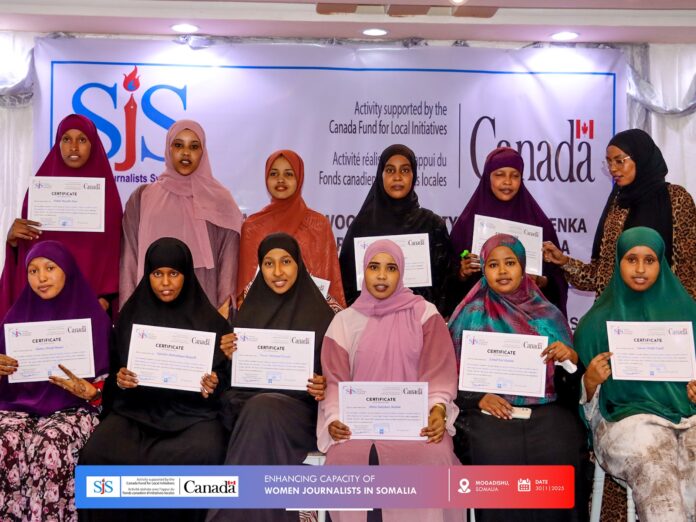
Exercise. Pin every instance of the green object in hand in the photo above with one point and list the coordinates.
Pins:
(464, 253)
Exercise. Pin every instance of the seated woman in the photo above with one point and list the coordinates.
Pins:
(275, 427)
(150, 425)
(391, 208)
(640, 197)
(44, 424)
(501, 193)
(644, 432)
(188, 203)
(289, 213)
(390, 334)
(505, 300)
(77, 152)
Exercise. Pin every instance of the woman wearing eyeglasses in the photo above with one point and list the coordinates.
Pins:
(640, 197)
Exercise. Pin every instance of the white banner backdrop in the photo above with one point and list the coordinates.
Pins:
(339, 107)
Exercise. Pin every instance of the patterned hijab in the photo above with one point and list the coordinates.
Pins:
(665, 300)
(525, 311)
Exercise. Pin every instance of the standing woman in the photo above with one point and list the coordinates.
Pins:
(187, 203)
(77, 152)
(42, 427)
(505, 300)
(289, 213)
(390, 334)
(275, 427)
(501, 194)
(644, 432)
(391, 207)
(640, 197)
(161, 426)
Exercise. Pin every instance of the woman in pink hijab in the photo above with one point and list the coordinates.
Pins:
(186, 203)
(390, 334)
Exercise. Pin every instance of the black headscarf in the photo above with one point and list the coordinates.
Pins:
(382, 215)
(164, 409)
(302, 307)
(647, 198)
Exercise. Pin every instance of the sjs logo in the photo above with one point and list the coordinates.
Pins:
(131, 84)
(103, 487)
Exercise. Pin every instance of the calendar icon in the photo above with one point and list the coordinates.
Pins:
(524, 485)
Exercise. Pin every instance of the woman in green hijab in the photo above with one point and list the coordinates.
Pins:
(644, 431)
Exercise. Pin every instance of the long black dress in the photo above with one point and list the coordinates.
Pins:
(160, 426)
(274, 427)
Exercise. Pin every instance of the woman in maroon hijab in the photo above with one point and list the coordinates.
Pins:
(77, 152)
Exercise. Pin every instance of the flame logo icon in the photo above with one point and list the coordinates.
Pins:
(131, 81)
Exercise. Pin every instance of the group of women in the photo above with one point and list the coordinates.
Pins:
(189, 260)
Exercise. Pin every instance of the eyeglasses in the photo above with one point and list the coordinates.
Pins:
(619, 162)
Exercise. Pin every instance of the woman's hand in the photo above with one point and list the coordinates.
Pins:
(691, 391)
(126, 379)
(469, 265)
(23, 229)
(557, 351)
(224, 309)
(75, 385)
(104, 303)
(496, 406)
(552, 254)
(339, 431)
(436, 425)
(540, 281)
(228, 344)
(208, 384)
(8, 365)
(317, 387)
(597, 372)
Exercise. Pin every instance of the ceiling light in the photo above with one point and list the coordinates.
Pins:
(564, 36)
(185, 28)
(374, 32)
(458, 2)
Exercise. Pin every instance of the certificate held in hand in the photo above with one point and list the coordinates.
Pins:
(273, 359)
(416, 249)
(68, 204)
(170, 358)
(530, 236)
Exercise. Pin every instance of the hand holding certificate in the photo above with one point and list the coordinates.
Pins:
(273, 359)
(384, 410)
(652, 351)
(500, 363)
(170, 358)
(529, 235)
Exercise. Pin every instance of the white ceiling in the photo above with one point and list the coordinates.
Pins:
(656, 21)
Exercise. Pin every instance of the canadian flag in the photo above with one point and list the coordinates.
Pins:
(584, 128)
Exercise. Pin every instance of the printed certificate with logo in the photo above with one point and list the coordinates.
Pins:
(322, 285)
(384, 410)
(501, 363)
(416, 248)
(67, 204)
(530, 236)
(652, 351)
(273, 359)
(170, 357)
(41, 346)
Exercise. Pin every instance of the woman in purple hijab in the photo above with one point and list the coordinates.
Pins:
(501, 194)
(44, 424)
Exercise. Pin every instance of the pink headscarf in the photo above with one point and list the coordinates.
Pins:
(179, 206)
(393, 338)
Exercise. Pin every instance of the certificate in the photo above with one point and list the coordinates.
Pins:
(416, 248)
(41, 346)
(530, 236)
(322, 285)
(273, 359)
(170, 357)
(67, 204)
(501, 363)
(652, 351)
(384, 410)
